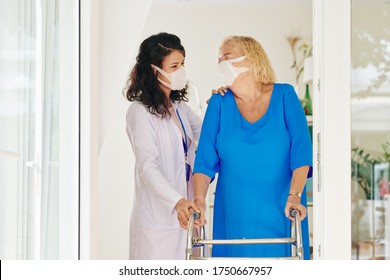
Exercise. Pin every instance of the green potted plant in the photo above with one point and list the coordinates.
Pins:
(362, 168)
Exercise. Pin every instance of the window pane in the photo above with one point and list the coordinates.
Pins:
(39, 119)
(370, 99)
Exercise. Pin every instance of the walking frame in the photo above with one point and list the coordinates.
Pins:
(295, 240)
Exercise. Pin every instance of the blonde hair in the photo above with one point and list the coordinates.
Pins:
(261, 67)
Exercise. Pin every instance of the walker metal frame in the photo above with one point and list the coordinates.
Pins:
(295, 240)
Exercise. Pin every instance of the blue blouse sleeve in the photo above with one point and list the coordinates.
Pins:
(301, 147)
(207, 159)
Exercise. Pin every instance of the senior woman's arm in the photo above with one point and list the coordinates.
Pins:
(202, 183)
(206, 161)
(298, 182)
(300, 150)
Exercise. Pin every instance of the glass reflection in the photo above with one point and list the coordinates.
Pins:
(370, 101)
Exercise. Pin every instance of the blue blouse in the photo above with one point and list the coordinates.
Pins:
(254, 162)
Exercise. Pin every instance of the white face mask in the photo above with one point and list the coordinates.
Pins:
(229, 72)
(177, 79)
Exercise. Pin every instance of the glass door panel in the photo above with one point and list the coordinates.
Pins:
(370, 107)
(39, 129)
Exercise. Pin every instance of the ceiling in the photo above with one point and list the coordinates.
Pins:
(227, 2)
(257, 2)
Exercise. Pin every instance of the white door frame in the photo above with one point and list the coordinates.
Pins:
(332, 129)
(89, 13)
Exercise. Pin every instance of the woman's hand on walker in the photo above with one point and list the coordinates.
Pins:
(184, 209)
(201, 204)
(293, 202)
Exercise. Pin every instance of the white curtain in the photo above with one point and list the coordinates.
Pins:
(17, 99)
(30, 129)
(50, 143)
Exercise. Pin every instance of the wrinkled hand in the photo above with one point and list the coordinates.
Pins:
(201, 205)
(220, 90)
(184, 208)
(293, 202)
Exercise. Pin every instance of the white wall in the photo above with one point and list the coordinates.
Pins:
(201, 29)
(120, 24)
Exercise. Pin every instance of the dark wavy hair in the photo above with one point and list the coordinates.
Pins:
(143, 85)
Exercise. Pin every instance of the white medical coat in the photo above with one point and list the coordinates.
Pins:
(160, 180)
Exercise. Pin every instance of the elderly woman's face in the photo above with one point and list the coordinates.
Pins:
(229, 51)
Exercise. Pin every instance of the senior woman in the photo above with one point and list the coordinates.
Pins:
(257, 139)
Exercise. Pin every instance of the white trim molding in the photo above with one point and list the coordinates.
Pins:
(89, 12)
(332, 130)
